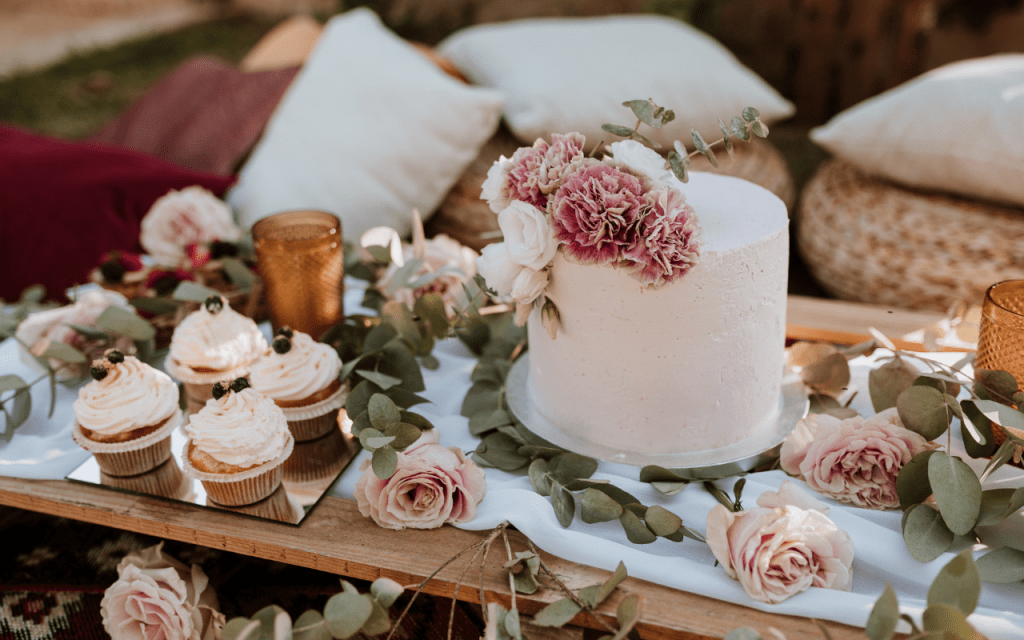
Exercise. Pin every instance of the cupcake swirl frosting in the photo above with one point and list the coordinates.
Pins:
(242, 428)
(307, 367)
(131, 395)
(220, 341)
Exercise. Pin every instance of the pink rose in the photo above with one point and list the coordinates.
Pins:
(183, 218)
(446, 263)
(158, 598)
(778, 552)
(666, 246)
(433, 485)
(596, 212)
(856, 460)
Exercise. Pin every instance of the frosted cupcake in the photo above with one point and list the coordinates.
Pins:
(125, 416)
(237, 445)
(301, 376)
(212, 344)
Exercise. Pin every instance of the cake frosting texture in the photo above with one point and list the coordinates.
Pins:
(691, 366)
(243, 429)
(131, 395)
(305, 369)
(219, 342)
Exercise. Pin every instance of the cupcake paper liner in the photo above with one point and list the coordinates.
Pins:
(331, 403)
(243, 487)
(318, 460)
(167, 481)
(132, 457)
(277, 506)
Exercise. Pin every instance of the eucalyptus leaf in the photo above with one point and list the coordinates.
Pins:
(1004, 565)
(750, 114)
(661, 521)
(588, 595)
(627, 614)
(884, 616)
(189, 291)
(399, 362)
(925, 534)
(275, 623)
(310, 626)
(947, 621)
(670, 488)
(386, 591)
(998, 504)
(567, 467)
(564, 504)
(400, 317)
(367, 435)
(382, 380)
(923, 410)
(64, 352)
(675, 162)
(403, 398)
(958, 584)
(976, 431)
(739, 129)
(635, 135)
(403, 434)
(912, 485)
(482, 396)
(384, 462)
(430, 307)
(887, 382)
(383, 411)
(618, 495)
(999, 384)
(596, 506)
(491, 370)
(759, 129)
(525, 582)
(644, 111)
(240, 629)
(617, 130)
(539, 478)
(941, 381)
(957, 491)
(378, 622)
(1001, 414)
(698, 141)
(20, 410)
(484, 421)
(636, 531)
(1000, 457)
(501, 452)
(829, 374)
(238, 273)
(358, 399)
(361, 423)
(608, 586)
(10, 381)
(374, 443)
(378, 338)
(416, 420)
(557, 614)
(90, 333)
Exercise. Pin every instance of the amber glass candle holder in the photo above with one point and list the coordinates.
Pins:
(299, 258)
(1001, 335)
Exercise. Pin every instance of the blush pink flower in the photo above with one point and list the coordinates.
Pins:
(432, 485)
(156, 597)
(596, 212)
(666, 244)
(776, 552)
(532, 174)
(855, 460)
(524, 173)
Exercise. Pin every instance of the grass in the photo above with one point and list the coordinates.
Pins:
(76, 97)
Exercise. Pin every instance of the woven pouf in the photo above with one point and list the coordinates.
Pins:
(465, 217)
(868, 240)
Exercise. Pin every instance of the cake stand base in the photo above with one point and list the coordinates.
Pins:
(709, 463)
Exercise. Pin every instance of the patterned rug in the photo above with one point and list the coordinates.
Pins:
(53, 572)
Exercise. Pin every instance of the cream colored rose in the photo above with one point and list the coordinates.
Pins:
(528, 285)
(432, 485)
(528, 235)
(156, 596)
(495, 188)
(445, 259)
(497, 268)
(641, 159)
(183, 218)
(776, 553)
(856, 460)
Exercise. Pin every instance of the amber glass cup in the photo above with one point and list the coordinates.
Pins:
(299, 258)
(1001, 335)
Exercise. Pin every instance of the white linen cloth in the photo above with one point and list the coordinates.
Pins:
(42, 448)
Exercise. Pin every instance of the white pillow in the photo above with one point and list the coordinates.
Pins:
(369, 130)
(561, 75)
(956, 129)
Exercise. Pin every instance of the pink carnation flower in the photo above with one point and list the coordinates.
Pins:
(596, 211)
(534, 173)
(856, 460)
(523, 181)
(666, 246)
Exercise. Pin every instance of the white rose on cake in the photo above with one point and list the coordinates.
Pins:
(183, 219)
(641, 159)
(497, 267)
(528, 236)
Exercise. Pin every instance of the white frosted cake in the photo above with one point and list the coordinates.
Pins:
(694, 365)
(656, 309)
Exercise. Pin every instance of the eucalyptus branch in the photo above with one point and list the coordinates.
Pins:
(511, 579)
(569, 593)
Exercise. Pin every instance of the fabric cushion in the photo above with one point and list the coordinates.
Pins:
(205, 115)
(64, 204)
(562, 75)
(954, 129)
(369, 130)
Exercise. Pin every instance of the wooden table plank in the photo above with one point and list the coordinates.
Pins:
(335, 538)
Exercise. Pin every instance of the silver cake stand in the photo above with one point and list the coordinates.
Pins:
(709, 463)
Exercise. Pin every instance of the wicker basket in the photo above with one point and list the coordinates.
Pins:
(868, 240)
(465, 217)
